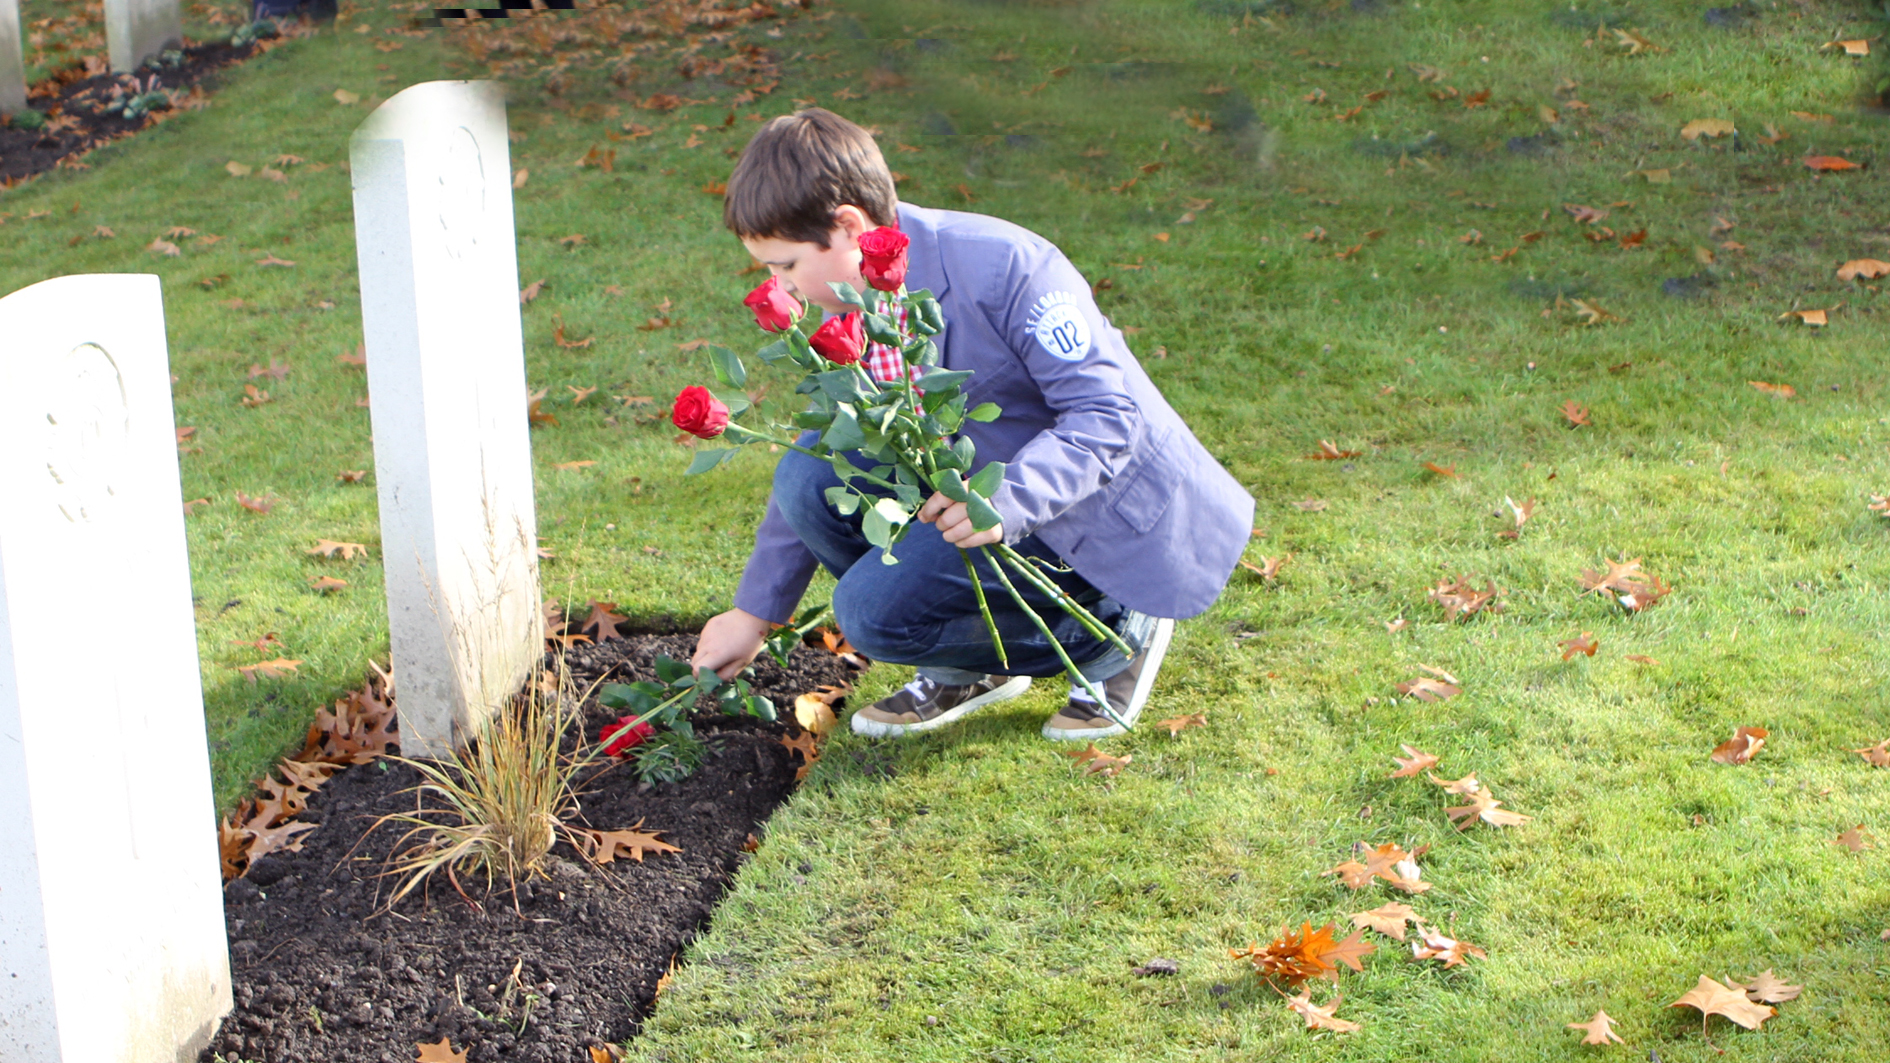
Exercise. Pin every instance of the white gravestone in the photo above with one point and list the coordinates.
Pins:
(12, 60)
(446, 372)
(136, 30)
(112, 946)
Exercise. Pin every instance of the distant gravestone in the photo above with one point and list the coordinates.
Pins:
(136, 30)
(446, 373)
(112, 941)
(12, 60)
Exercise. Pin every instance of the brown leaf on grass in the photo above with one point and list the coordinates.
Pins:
(1472, 237)
(1740, 748)
(1877, 756)
(1312, 505)
(1591, 313)
(535, 413)
(1087, 753)
(578, 395)
(275, 370)
(1178, 724)
(605, 846)
(280, 668)
(1583, 643)
(254, 396)
(1432, 945)
(1465, 786)
(268, 642)
(1853, 47)
(190, 507)
(602, 621)
(1414, 763)
(1306, 953)
(1765, 988)
(238, 169)
(530, 291)
(331, 547)
(1576, 413)
(519, 178)
(1635, 43)
(1460, 598)
(1813, 318)
(569, 466)
(1829, 163)
(1712, 999)
(1392, 627)
(1707, 127)
(442, 1052)
(1520, 514)
(1857, 839)
(272, 260)
(356, 358)
(351, 476)
(1634, 239)
(1320, 1016)
(1317, 234)
(1639, 658)
(1328, 452)
(164, 247)
(327, 584)
(814, 709)
(1477, 99)
(1584, 215)
(1269, 567)
(256, 504)
(1447, 471)
(1425, 688)
(1632, 588)
(1104, 764)
(1600, 1030)
(1486, 808)
(1865, 268)
(1388, 919)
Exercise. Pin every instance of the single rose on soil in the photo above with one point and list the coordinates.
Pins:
(883, 258)
(700, 413)
(840, 340)
(621, 737)
(775, 310)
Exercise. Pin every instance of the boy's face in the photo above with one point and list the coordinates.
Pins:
(806, 268)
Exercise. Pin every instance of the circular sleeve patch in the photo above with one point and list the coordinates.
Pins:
(1060, 327)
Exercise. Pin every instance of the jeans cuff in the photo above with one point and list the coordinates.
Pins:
(951, 677)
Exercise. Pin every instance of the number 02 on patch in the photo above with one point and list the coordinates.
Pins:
(1059, 325)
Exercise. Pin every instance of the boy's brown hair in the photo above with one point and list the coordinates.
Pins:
(798, 170)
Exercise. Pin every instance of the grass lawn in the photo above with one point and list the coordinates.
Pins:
(973, 896)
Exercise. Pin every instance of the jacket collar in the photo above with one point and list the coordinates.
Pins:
(920, 224)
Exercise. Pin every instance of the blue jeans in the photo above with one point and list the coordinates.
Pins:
(923, 611)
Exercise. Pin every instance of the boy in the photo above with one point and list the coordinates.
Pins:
(1103, 481)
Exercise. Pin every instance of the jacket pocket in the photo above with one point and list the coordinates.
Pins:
(1150, 486)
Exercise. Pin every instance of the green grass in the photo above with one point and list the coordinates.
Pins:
(973, 877)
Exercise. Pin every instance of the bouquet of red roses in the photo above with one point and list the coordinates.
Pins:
(904, 427)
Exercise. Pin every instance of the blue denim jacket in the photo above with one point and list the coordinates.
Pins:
(1098, 465)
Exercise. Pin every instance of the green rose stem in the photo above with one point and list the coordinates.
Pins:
(984, 608)
(1069, 605)
(1101, 701)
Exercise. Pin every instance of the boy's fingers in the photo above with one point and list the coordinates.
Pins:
(935, 505)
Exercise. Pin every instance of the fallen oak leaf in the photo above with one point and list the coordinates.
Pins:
(1707, 127)
(443, 1051)
(1448, 471)
(1583, 643)
(570, 465)
(1783, 391)
(1466, 785)
(579, 394)
(1877, 756)
(603, 621)
(1432, 945)
(1087, 753)
(1600, 1030)
(1576, 413)
(1520, 514)
(1269, 567)
(804, 743)
(1486, 808)
(1104, 764)
(280, 668)
(329, 548)
(1639, 658)
(327, 584)
(272, 260)
(1388, 919)
(604, 846)
(1829, 163)
(530, 291)
(351, 476)
(1712, 999)
(254, 396)
(1321, 1016)
(1414, 763)
(1857, 839)
(1866, 268)
(1765, 988)
(814, 709)
(1329, 452)
(1741, 747)
(257, 504)
(1181, 723)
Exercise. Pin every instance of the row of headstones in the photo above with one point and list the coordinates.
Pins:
(135, 30)
(112, 941)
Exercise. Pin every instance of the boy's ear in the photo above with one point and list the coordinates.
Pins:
(851, 222)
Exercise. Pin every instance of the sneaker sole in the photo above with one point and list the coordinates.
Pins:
(875, 729)
(1156, 649)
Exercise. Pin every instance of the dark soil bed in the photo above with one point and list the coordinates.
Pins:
(74, 105)
(319, 975)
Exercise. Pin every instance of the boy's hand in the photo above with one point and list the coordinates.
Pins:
(954, 523)
(729, 642)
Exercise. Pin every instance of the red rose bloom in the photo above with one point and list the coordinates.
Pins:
(883, 258)
(775, 310)
(699, 413)
(841, 339)
(620, 739)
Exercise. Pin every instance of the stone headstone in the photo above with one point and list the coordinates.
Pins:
(12, 59)
(136, 30)
(112, 942)
(446, 375)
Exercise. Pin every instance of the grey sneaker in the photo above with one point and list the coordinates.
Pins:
(1127, 691)
(922, 705)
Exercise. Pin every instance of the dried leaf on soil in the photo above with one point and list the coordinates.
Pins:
(1486, 808)
(1414, 762)
(1306, 953)
(1388, 919)
(1740, 748)
(814, 709)
(1600, 1030)
(1712, 999)
(602, 623)
(443, 1051)
(604, 846)
(1320, 1016)
(804, 744)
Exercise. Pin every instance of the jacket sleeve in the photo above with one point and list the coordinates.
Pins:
(1044, 309)
(778, 570)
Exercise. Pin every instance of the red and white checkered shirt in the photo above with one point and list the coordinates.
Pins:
(882, 361)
